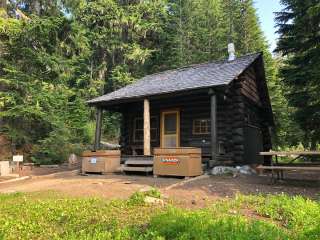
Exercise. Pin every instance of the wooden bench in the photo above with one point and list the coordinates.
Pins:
(279, 168)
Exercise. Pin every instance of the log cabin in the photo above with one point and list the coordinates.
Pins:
(221, 107)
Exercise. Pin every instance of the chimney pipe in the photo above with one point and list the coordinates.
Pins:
(231, 51)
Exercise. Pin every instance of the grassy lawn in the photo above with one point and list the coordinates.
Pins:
(53, 216)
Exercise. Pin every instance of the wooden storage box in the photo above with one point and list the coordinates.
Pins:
(103, 161)
(184, 161)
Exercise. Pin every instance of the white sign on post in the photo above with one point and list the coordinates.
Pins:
(17, 158)
(93, 160)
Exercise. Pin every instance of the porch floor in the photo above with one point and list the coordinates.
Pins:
(137, 163)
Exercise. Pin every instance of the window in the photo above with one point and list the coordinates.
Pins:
(138, 129)
(201, 126)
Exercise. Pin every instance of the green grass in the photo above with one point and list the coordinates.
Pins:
(53, 216)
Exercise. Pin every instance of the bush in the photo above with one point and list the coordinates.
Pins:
(52, 216)
(299, 214)
(138, 197)
(56, 148)
(182, 225)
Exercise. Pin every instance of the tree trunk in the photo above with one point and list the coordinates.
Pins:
(102, 71)
(3, 4)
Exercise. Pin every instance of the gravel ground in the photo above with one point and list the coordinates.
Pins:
(197, 193)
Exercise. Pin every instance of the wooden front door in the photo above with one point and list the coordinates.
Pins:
(170, 129)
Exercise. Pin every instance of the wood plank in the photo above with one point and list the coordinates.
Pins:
(97, 137)
(289, 168)
(146, 128)
(139, 162)
(137, 169)
(213, 121)
(290, 153)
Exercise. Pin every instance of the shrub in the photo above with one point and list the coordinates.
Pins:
(183, 225)
(55, 148)
(52, 216)
(299, 214)
(137, 198)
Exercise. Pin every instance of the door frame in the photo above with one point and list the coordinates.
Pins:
(168, 111)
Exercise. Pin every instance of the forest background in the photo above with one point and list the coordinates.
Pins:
(55, 55)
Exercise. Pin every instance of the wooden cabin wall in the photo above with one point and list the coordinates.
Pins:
(248, 110)
(196, 106)
(240, 106)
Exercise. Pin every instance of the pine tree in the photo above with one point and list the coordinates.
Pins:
(120, 33)
(299, 29)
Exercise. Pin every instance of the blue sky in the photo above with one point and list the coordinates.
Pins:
(265, 9)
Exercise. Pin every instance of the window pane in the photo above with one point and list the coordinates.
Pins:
(138, 135)
(170, 141)
(201, 126)
(139, 123)
(154, 122)
(154, 134)
(170, 123)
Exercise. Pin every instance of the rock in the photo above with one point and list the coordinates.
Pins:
(98, 183)
(221, 170)
(146, 189)
(193, 202)
(153, 200)
(165, 196)
(246, 169)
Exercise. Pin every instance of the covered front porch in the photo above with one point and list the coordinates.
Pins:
(183, 121)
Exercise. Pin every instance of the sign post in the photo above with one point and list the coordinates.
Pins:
(18, 159)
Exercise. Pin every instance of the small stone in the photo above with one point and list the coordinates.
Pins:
(146, 189)
(153, 200)
(98, 183)
(193, 202)
(165, 196)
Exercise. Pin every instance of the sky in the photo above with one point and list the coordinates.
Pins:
(265, 9)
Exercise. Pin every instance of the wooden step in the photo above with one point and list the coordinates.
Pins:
(137, 169)
(139, 162)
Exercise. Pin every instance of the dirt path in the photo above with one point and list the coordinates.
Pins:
(197, 193)
(107, 186)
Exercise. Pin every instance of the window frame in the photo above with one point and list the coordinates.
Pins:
(151, 128)
(208, 122)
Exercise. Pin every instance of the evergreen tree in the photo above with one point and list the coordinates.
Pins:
(121, 36)
(64, 52)
(39, 97)
(299, 28)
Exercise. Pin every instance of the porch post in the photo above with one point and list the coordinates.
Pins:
(213, 107)
(146, 127)
(98, 129)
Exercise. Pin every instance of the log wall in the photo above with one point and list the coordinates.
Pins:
(239, 106)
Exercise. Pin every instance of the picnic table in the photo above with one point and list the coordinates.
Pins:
(279, 168)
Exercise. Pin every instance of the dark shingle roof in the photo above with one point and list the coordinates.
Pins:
(186, 78)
